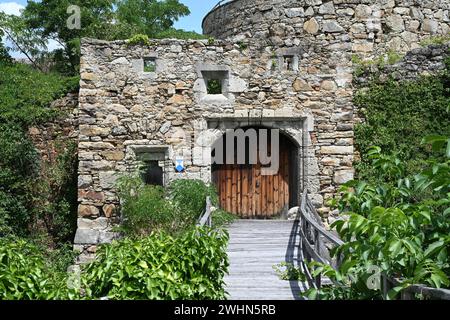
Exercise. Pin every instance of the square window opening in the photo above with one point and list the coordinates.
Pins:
(216, 82)
(288, 62)
(149, 65)
(152, 173)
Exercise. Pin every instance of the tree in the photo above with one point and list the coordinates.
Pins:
(49, 18)
(100, 19)
(23, 39)
(149, 17)
(4, 55)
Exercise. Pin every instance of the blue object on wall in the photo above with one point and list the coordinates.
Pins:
(179, 166)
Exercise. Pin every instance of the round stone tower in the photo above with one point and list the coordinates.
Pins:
(368, 27)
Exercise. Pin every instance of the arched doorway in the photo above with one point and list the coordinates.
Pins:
(246, 189)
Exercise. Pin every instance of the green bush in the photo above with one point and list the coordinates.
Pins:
(190, 196)
(160, 267)
(399, 226)
(145, 208)
(139, 39)
(148, 208)
(29, 197)
(18, 169)
(221, 218)
(26, 94)
(26, 275)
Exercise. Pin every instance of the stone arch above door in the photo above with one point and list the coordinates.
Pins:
(297, 126)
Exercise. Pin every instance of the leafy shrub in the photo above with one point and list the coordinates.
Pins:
(190, 195)
(35, 194)
(26, 94)
(160, 267)
(139, 39)
(399, 225)
(221, 218)
(287, 271)
(18, 168)
(148, 208)
(145, 208)
(25, 275)
(4, 55)
(56, 186)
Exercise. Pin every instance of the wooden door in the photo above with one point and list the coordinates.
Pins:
(244, 191)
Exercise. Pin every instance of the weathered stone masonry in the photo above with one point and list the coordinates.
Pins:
(285, 64)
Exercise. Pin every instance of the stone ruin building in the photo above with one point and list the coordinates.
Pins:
(282, 64)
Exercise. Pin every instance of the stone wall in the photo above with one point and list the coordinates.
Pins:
(124, 110)
(366, 27)
(424, 61)
(286, 65)
(48, 137)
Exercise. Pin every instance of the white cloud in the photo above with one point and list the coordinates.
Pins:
(11, 8)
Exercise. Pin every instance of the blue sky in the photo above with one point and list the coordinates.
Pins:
(199, 8)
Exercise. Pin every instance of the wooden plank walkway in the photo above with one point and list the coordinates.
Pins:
(255, 247)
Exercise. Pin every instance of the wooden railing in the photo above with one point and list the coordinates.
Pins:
(206, 217)
(316, 242)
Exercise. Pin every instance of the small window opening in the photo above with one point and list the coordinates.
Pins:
(149, 65)
(288, 62)
(152, 173)
(216, 82)
(214, 86)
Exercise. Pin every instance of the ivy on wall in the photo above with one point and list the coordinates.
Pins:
(36, 198)
(398, 114)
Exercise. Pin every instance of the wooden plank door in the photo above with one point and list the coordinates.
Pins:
(244, 191)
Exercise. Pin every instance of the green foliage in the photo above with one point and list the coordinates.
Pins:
(22, 39)
(397, 115)
(287, 271)
(437, 40)
(222, 218)
(149, 68)
(33, 193)
(139, 39)
(48, 18)
(173, 33)
(25, 94)
(56, 203)
(101, 19)
(363, 66)
(160, 267)
(398, 225)
(145, 208)
(25, 274)
(18, 168)
(150, 208)
(150, 17)
(5, 58)
(242, 45)
(214, 86)
(190, 195)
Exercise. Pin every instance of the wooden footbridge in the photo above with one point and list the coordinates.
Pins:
(257, 246)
